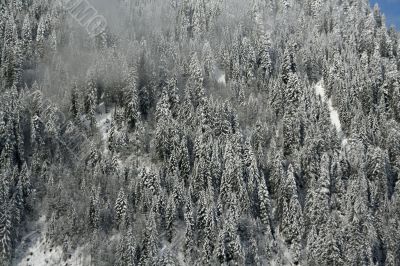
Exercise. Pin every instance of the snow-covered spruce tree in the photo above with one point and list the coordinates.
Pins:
(121, 208)
(40, 36)
(195, 81)
(126, 251)
(188, 245)
(164, 134)
(131, 98)
(265, 204)
(292, 223)
(233, 251)
(91, 101)
(5, 233)
(75, 108)
(318, 198)
(174, 97)
(149, 245)
(208, 56)
(171, 212)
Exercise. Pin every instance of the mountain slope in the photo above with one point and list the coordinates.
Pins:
(215, 132)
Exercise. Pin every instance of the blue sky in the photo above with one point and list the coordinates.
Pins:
(391, 9)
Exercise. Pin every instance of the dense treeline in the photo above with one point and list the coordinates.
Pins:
(191, 132)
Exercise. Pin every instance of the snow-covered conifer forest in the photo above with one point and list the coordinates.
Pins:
(199, 132)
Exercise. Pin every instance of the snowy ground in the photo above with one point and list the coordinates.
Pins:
(36, 250)
(219, 75)
(221, 79)
(40, 253)
(320, 91)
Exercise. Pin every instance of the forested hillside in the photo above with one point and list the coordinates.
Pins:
(199, 132)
